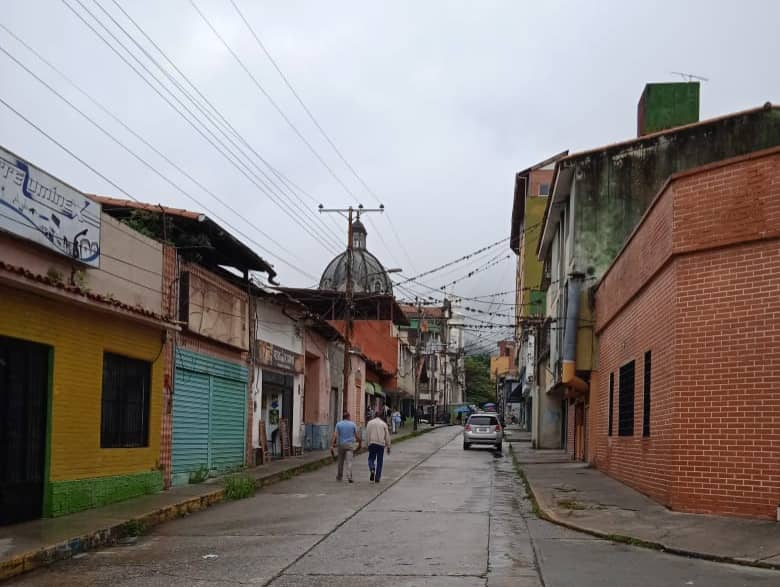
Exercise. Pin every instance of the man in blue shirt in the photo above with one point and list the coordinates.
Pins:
(344, 437)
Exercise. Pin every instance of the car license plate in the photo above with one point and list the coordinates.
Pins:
(482, 430)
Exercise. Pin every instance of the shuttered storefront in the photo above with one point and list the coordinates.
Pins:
(209, 414)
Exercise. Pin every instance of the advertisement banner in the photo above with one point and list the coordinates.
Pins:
(38, 207)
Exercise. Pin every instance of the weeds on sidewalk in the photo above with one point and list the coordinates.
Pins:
(570, 504)
(199, 475)
(529, 494)
(133, 528)
(239, 486)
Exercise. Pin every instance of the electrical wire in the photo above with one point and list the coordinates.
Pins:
(281, 112)
(456, 261)
(212, 139)
(292, 189)
(319, 127)
(112, 183)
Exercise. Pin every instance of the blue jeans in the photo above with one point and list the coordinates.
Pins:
(376, 456)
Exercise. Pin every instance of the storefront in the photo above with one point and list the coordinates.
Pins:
(277, 395)
(81, 337)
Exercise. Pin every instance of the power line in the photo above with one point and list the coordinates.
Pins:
(320, 128)
(291, 187)
(125, 126)
(253, 178)
(116, 186)
(456, 261)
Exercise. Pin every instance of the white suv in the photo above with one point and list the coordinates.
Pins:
(483, 429)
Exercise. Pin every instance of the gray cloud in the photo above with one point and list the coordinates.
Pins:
(436, 104)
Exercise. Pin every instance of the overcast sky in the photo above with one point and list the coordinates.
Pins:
(435, 104)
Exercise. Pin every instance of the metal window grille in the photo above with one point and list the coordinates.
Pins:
(125, 404)
(626, 400)
(646, 397)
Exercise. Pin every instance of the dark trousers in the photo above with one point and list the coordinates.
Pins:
(376, 456)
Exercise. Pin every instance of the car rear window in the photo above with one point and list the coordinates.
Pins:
(483, 421)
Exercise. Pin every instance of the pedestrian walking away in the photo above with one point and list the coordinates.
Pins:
(396, 420)
(343, 440)
(377, 437)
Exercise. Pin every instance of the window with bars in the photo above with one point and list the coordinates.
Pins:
(611, 403)
(646, 397)
(626, 400)
(124, 419)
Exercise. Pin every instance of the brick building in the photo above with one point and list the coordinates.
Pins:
(687, 405)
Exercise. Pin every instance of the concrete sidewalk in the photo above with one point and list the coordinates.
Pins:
(26, 546)
(575, 495)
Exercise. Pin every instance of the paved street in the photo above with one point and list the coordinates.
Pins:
(441, 516)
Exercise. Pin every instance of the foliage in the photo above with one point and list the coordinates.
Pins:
(79, 279)
(54, 275)
(163, 228)
(199, 475)
(133, 528)
(239, 486)
(479, 388)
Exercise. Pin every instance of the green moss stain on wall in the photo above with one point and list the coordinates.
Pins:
(67, 497)
(615, 186)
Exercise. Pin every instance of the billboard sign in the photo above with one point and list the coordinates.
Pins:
(36, 206)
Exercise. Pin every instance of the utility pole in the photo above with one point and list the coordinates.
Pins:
(417, 366)
(349, 291)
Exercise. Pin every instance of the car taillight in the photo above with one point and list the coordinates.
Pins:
(498, 427)
(468, 428)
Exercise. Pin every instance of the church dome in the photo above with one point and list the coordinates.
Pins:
(368, 274)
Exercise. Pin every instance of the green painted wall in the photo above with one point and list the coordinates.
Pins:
(67, 497)
(533, 298)
(668, 105)
(615, 186)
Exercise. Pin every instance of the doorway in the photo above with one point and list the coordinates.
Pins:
(24, 390)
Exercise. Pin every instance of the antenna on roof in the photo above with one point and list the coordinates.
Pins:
(689, 77)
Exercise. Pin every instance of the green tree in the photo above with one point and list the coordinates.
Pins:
(479, 388)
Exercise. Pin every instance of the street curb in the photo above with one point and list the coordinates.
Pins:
(33, 559)
(546, 513)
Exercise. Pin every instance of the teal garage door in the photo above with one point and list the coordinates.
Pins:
(209, 415)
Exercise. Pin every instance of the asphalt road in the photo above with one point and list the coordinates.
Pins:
(440, 517)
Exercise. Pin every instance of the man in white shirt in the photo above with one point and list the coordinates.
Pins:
(377, 438)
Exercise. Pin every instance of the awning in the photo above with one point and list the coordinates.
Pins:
(516, 394)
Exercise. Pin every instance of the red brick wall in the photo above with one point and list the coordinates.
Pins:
(169, 310)
(376, 341)
(728, 342)
(728, 361)
(711, 318)
(642, 463)
(538, 177)
(728, 204)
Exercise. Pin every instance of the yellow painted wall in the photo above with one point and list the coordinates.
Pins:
(499, 366)
(79, 336)
(585, 333)
(531, 267)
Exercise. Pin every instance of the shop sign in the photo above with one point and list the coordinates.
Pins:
(278, 357)
(38, 207)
